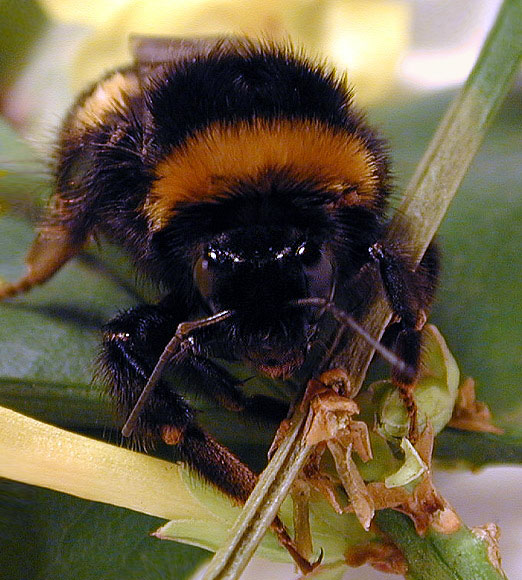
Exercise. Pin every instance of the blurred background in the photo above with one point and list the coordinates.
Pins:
(52, 49)
(405, 58)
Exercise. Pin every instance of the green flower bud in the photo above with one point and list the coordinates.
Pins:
(435, 392)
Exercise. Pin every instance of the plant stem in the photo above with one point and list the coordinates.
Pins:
(438, 556)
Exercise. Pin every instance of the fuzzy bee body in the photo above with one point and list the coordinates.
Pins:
(240, 178)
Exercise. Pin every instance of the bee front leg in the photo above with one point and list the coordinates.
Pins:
(132, 344)
(410, 293)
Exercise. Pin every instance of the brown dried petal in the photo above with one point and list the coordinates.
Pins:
(360, 499)
(470, 414)
(490, 535)
(331, 414)
(383, 556)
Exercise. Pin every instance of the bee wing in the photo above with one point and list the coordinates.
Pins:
(151, 50)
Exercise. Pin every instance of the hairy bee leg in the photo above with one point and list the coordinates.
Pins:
(410, 293)
(126, 362)
(214, 462)
(136, 339)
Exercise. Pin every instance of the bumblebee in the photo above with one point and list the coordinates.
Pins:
(244, 183)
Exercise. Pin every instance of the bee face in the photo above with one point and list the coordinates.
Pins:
(259, 272)
(262, 269)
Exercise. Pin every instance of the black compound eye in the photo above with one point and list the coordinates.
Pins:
(203, 273)
(309, 253)
(317, 268)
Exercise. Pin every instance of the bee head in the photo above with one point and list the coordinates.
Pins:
(258, 271)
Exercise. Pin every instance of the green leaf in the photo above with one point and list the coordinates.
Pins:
(412, 468)
(46, 366)
(470, 449)
(333, 533)
(53, 535)
(21, 25)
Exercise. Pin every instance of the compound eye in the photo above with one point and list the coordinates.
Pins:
(317, 269)
(203, 272)
(309, 253)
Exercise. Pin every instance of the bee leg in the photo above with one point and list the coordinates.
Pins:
(45, 257)
(410, 293)
(131, 346)
(222, 468)
(132, 343)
